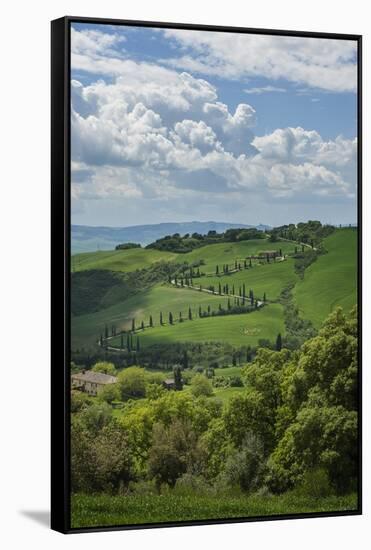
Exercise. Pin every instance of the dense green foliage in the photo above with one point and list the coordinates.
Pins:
(187, 243)
(311, 232)
(293, 427)
(127, 246)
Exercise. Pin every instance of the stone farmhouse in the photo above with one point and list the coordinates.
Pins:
(91, 382)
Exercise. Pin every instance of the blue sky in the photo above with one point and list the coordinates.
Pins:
(174, 125)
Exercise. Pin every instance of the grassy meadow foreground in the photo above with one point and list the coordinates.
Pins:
(233, 365)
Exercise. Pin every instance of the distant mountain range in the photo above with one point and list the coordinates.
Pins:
(85, 238)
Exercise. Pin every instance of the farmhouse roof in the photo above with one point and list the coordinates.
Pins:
(95, 377)
(169, 381)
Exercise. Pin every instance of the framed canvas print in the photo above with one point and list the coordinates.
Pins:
(206, 219)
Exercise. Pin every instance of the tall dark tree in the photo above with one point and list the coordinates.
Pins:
(264, 297)
(142, 325)
(133, 325)
(150, 321)
(180, 317)
(229, 304)
(128, 343)
(178, 378)
(170, 318)
(279, 342)
(189, 314)
(200, 311)
(185, 361)
(220, 289)
(161, 319)
(105, 332)
(250, 263)
(217, 270)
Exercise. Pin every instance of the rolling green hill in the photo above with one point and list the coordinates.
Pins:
(266, 278)
(119, 260)
(165, 298)
(331, 280)
(244, 329)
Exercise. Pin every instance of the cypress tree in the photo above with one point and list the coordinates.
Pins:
(142, 325)
(161, 320)
(178, 378)
(150, 321)
(170, 318)
(133, 325)
(128, 342)
(189, 314)
(235, 264)
(250, 263)
(279, 342)
(217, 270)
(180, 317)
(220, 288)
(229, 304)
(243, 290)
(208, 309)
(264, 297)
(199, 311)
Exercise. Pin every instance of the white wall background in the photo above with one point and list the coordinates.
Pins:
(24, 273)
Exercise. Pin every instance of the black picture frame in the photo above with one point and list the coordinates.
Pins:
(60, 268)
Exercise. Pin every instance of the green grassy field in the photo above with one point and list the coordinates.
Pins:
(331, 280)
(269, 278)
(223, 253)
(106, 510)
(244, 329)
(119, 260)
(85, 329)
(224, 394)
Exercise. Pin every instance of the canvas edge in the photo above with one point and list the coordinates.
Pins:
(60, 270)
